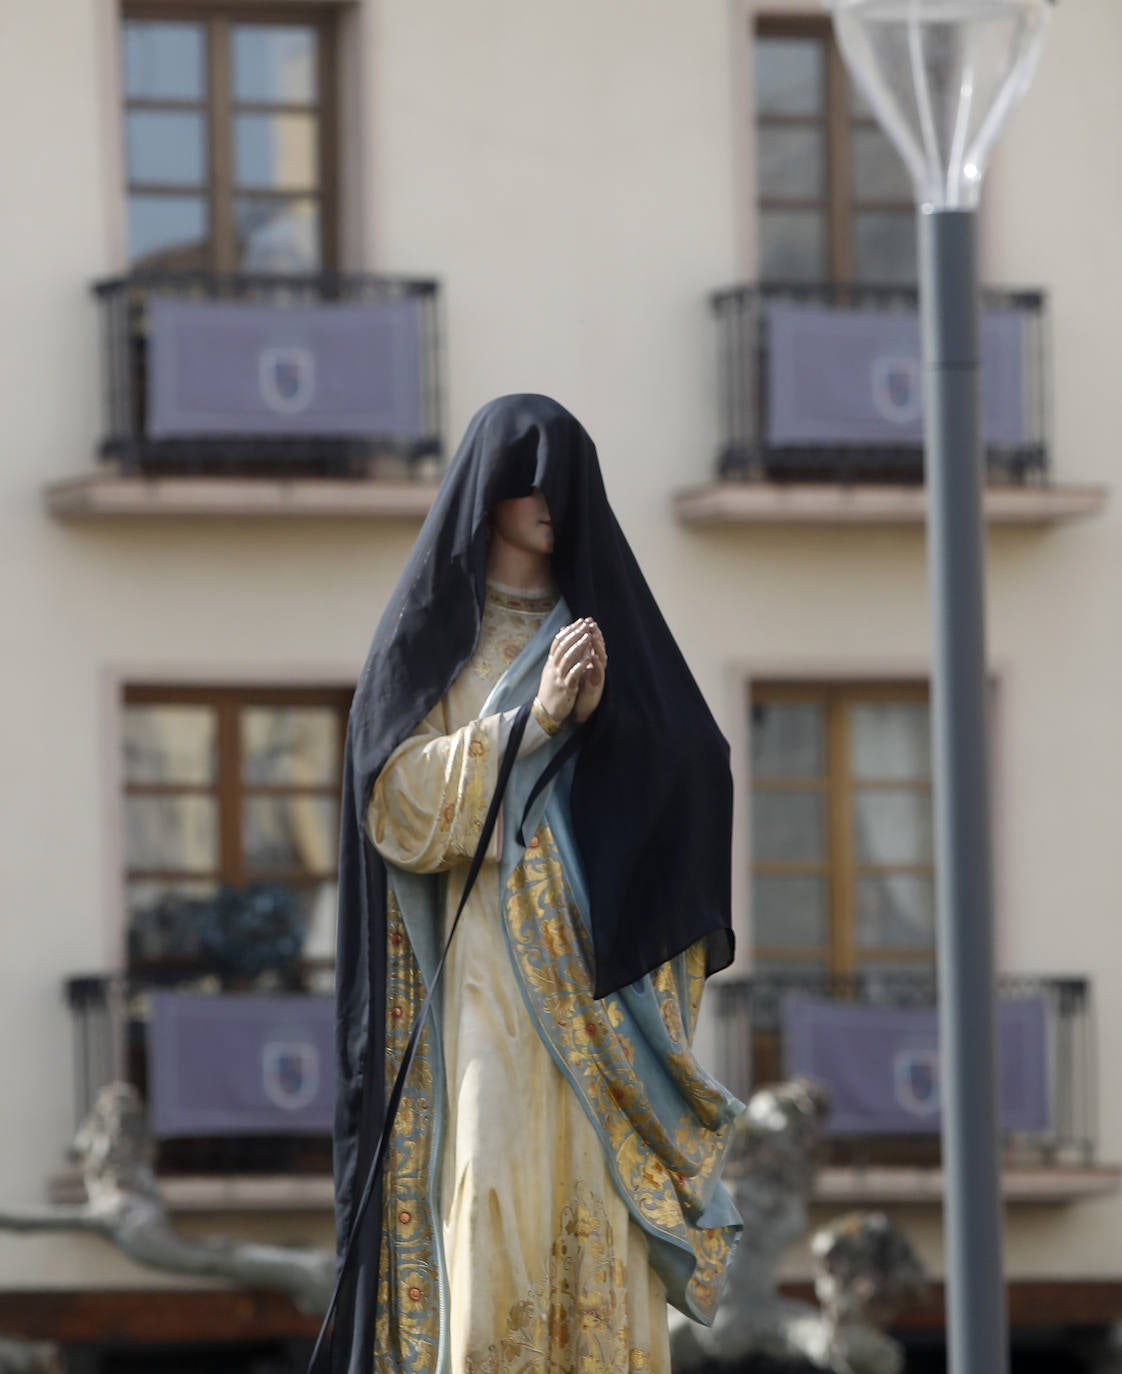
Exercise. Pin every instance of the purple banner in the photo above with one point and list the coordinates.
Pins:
(325, 369)
(856, 377)
(240, 1065)
(881, 1064)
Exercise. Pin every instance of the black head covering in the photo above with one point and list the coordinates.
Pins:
(652, 790)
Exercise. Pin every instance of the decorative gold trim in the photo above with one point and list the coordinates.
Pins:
(539, 601)
(662, 1170)
(548, 723)
(407, 1330)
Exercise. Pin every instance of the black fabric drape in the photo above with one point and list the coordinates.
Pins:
(652, 790)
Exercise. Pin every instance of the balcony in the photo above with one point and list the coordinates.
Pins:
(871, 1038)
(237, 1076)
(820, 395)
(228, 1144)
(264, 395)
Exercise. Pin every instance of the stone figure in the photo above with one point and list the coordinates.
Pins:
(114, 1150)
(865, 1268)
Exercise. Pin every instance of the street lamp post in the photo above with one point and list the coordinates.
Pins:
(942, 76)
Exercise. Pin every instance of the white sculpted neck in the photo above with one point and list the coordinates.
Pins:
(521, 569)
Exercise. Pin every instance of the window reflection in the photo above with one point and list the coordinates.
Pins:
(790, 76)
(275, 63)
(292, 833)
(170, 744)
(290, 745)
(171, 834)
(277, 236)
(792, 245)
(164, 60)
(884, 247)
(276, 151)
(789, 910)
(169, 231)
(166, 147)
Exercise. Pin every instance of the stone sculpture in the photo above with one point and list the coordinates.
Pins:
(114, 1150)
(865, 1267)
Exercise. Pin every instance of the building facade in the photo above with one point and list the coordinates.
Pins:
(550, 197)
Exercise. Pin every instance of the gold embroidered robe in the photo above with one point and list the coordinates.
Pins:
(547, 1271)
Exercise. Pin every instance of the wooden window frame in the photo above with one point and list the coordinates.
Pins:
(839, 955)
(229, 788)
(218, 107)
(839, 202)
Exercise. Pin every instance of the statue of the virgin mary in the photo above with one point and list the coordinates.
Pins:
(553, 1173)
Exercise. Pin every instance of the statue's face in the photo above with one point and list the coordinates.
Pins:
(523, 521)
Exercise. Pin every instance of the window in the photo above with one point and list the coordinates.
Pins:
(229, 152)
(842, 862)
(227, 787)
(835, 201)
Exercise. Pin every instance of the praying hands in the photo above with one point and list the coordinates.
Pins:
(572, 681)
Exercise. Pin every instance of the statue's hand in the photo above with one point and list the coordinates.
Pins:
(592, 680)
(570, 655)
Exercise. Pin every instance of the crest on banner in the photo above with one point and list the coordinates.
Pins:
(290, 1072)
(916, 1080)
(287, 378)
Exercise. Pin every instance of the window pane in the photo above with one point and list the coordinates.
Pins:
(787, 741)
(896, 910)
(788, 911)
(172, 229)
(164, 61)
(275, 63)
(290, 745)
(171, 833)
(291, 833)
(878, 171)
(890, 741)
(276, 152)
(277, 236)
(166, 146)
(164, 919)
(789, 76)
(170, 744)
(791, 162)
(323, 908)
(884, 247)
(787, 827)
(892, 827)
(792, 245)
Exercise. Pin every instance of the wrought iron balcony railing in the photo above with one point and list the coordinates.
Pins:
(871, 1039)
(269, 375)
(117, 1035)
(823, 382)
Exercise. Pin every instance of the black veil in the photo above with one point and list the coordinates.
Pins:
(652, 790)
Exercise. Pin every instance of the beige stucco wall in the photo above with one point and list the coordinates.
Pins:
(577, 175)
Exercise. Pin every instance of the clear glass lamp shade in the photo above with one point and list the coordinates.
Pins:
(942, 77)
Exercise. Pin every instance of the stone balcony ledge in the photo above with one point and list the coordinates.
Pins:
(775, 503)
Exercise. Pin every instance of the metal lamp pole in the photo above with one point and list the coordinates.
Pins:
(967, 1001)
(942, 75)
